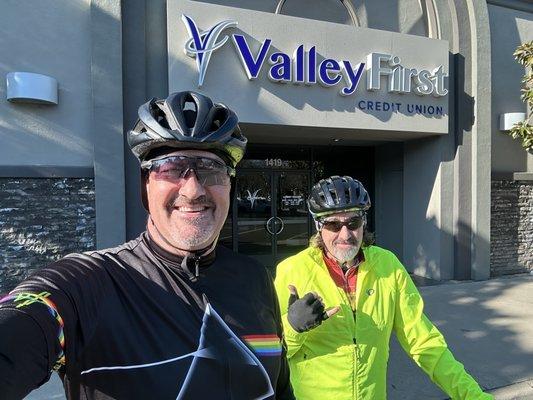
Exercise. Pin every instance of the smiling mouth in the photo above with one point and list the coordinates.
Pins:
(345, 244)
(192, 209)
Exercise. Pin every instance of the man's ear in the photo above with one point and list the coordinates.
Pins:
(145, 175)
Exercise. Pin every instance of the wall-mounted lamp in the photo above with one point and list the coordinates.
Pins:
(507, 120)
(27, 87)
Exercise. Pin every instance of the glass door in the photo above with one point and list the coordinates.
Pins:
(271, 221)
(292, 233)
(254, 210)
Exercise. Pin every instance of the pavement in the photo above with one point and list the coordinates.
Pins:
(488, 326)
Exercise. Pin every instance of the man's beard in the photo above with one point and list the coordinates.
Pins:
(195, 232)
(344, 255)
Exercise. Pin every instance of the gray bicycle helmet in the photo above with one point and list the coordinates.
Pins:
(187, 120)
(337, 194)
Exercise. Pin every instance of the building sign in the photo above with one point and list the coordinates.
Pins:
(277, 69)
(303, 67)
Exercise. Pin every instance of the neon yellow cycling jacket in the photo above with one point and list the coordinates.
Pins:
(346, 356)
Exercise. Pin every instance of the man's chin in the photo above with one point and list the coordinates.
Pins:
(193, 240)
(345, 255)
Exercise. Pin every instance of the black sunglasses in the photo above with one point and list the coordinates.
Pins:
(335, 225)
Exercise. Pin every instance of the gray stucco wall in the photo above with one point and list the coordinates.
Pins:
(388, 201)
(40, 221)
(403, 16)
(509, 28)
(511, 227)
(427, 244)
(50, 37)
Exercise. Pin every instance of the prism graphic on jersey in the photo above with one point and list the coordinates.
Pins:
(219, 350)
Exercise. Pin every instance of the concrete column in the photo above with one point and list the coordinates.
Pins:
(106, 83)
(388, 201)
(144, 25)
(427, 216)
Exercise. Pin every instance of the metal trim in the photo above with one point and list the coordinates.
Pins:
(45, 171)
(282, 225)
(513, 4)
(512, 176)
(346, 3)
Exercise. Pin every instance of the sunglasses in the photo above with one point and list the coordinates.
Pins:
(352, 224)
(208, 171)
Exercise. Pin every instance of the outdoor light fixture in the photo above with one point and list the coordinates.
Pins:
(27, 87)
(507, 120)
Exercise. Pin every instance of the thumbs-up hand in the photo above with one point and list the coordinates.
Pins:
(308, 312)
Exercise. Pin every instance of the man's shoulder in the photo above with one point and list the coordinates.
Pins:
(309, 253)
(127, 247)
(374, 251)
(305, 259)
(225, 252)
(226, 255)
(381, 259)
(95, 259)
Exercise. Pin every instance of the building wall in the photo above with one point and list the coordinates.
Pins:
(61, 166)
(511, 200)
(512, 227)
(41, 220)
(444, 180)
(509, 28)
(50, 37)
(388, 201)
(403, 16)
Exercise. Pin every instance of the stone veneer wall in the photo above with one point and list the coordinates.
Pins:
(42, 219)
(511, 243)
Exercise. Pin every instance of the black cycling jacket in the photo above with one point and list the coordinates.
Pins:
(141, 323)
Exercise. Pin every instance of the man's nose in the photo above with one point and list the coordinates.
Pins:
(345, 233)
(191, 187)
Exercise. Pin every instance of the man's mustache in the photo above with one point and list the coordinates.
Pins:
(182, 201)
(352, 242)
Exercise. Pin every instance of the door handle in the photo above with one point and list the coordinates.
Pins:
(267, 225)
(275, 220)
(281, 227)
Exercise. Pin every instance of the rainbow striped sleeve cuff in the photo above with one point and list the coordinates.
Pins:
(264, 345)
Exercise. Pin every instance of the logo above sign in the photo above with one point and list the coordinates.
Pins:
(303, 66)
(202, 44)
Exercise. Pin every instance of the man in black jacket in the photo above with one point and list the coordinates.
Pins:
(169, 315)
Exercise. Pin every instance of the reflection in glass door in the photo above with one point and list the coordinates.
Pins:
(254, 209)
(271, 215)
(291, 209)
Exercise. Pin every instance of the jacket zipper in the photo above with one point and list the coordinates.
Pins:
(356, 356)
(355, 345)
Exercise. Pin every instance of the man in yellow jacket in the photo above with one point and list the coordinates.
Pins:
(338, 333)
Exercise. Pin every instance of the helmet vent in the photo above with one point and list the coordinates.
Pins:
(334, 196)
(190, 106)
(161, 120)
(218, 119)
(215, 125)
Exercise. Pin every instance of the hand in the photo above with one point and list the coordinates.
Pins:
(308, 312)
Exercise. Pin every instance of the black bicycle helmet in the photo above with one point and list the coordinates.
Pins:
(337, 194)
(187, 120)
